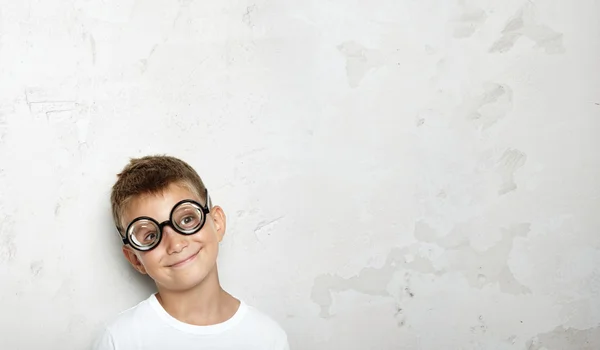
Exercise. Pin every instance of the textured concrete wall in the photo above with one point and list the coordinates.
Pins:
(397, 174)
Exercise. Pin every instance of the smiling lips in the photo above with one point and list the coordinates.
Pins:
(185, 261)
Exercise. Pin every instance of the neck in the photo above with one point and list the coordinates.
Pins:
(205, 304)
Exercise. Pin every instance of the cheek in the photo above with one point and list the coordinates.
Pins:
(206, 235)
(150, 258)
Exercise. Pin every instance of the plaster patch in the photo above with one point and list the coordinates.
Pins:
(511, 160)
(566, 338)
(370, 280)
(467, 23)
(488, 106)
(36, 268)
(359, 61)
(265, 228)
(523, 24)
(50, 105)
(82, 130)
(8, 248)
(3, 127)
(479, 267)
(93, 49)
(247, 18)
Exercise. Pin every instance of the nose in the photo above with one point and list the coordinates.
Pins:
(174, 241)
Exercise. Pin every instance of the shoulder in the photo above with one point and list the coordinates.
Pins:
(104, 340)
(122, 325)
(261, 318)
(264, 324)
(132, 316)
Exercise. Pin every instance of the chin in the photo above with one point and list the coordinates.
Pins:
(186, 280)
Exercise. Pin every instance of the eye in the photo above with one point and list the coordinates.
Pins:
(144, 232)
(187, 217)
(150, 237)
(188, 220)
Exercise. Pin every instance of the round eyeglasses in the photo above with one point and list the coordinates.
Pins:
(187, 217)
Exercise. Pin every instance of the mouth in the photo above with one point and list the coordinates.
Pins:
(186, 260)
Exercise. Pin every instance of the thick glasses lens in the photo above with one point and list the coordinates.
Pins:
(143, 233)
(188, 217)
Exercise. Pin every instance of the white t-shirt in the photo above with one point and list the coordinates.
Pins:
(148, 326)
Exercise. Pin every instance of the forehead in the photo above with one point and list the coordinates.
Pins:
(157, 205)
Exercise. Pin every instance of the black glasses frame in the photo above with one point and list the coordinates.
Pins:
(205, 211)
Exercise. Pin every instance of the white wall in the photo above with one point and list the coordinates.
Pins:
(397, 174)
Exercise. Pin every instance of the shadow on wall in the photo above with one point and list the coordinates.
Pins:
(122, 265)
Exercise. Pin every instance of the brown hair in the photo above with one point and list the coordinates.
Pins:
(151, 175)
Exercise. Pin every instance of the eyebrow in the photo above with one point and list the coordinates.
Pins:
(169, 213)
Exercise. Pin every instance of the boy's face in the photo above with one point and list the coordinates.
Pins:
(179, 262)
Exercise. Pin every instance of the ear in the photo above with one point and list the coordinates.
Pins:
(133, 259)
(219, 221)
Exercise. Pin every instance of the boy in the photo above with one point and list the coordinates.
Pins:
(171, 232)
